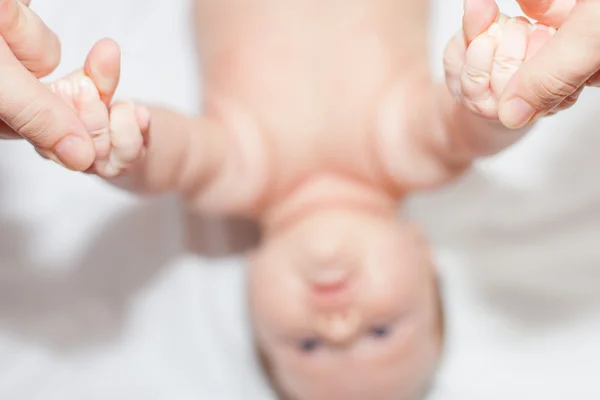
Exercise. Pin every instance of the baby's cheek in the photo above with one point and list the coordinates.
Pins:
(401, 264)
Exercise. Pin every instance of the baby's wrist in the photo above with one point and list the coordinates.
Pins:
(476, 135)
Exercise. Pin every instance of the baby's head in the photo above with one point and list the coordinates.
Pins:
(345, 306)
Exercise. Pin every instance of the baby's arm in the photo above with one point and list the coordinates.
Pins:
(479, 62)
(183, 154)
(449, 126)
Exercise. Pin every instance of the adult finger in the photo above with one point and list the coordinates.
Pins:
(558, 69)
(594, 80)
(8, 134)
(33, 111)
(103, 66)
(29, 39)
(548, 12)
(479, 15)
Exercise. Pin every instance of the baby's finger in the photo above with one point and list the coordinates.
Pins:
(126, 139)
(142, 116)
(93, 113)
(63, 89)
(454, 59)
(510, 54)
(477, 70)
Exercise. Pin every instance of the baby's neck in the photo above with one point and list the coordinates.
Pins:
(326, 190)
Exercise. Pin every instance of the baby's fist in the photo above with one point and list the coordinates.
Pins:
(117, 129)
(484, 55)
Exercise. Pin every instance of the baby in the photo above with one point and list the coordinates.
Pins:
(320, 117)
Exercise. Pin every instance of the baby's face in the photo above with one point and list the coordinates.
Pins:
(345, 306)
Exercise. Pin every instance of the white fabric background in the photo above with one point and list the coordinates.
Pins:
(98, 300)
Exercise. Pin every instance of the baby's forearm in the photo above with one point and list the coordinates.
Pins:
(452, 134)
(182, 154)
(437, 138)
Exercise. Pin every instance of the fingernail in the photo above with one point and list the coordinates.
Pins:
(68, 149)
(516, 113)
(552, 31)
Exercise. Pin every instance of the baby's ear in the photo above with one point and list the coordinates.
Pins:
(103, 66)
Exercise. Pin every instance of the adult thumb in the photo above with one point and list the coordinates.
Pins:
(557, 70)
(39, 116)
(548, 12)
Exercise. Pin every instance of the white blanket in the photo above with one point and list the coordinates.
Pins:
(92, 305)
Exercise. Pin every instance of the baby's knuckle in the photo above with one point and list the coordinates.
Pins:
(506, 65)
(99, 132)
(129, 147)
(483, 109)
(129, 141)
(475, 75)
(451, 60)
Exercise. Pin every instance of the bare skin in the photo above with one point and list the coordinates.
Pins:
(28, 110)
(320, 118)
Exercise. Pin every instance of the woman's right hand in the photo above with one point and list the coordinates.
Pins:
(29, 50)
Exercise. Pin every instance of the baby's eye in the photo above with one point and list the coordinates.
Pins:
(309, 345)
(380, 332)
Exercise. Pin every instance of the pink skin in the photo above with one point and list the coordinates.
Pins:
(117, 129)
(318, 127)
(365, 299)
(477, 75)
(29, 50)
(560, 71)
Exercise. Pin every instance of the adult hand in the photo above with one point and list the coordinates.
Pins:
(555, 76)
(28, 51)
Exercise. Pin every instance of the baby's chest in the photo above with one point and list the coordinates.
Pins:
(341, 149)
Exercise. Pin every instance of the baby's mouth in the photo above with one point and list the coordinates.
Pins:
(331, 289)
(328, 280)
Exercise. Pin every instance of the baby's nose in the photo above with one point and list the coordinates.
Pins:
(338, 328)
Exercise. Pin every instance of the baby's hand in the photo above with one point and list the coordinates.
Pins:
(117, 129)
(484, 55)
